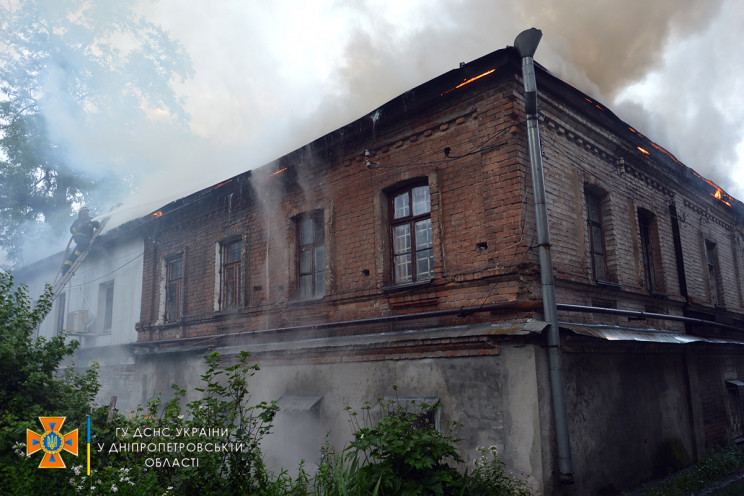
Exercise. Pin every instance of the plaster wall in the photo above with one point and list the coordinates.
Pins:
(629, 416)
(493, 399)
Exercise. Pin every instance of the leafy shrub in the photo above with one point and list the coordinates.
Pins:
(224, 404)
(400, 454)
(32, 385)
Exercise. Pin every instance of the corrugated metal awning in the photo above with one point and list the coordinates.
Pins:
(618, 333)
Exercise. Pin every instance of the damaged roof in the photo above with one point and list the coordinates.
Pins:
(471, 76)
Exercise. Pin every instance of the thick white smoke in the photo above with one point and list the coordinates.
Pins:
(271, 77)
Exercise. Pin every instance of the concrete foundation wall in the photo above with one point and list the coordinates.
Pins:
(492, 398)
(629, 417)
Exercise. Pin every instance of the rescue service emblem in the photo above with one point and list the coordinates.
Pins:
(52, 442)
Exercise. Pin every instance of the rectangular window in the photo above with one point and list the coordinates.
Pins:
(311, 256)
(596, 236)
(59, 318)
(711, 258)
(411, 235)
(645, 226)
(735, 390)
(173, 288)
(230, 292)
(106, 306)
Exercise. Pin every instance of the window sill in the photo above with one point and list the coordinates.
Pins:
(232, 311)
(406, 286)
(166, 325)
(659, 294)
(610, 285)
(300, 301)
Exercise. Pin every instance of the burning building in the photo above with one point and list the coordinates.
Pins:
(397, 257)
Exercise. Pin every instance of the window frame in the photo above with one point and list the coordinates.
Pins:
(230, 263)
(106, 306)
(59, 316)
(596, 199)
(307, 260)
(174, 300)
(714, 272)
(734, 396)
(649, 250)
(411, 219)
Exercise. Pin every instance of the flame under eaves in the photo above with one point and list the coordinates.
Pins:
(470, 80)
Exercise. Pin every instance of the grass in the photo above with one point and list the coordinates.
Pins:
(712, 469)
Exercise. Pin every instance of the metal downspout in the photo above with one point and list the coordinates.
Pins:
(526, 43)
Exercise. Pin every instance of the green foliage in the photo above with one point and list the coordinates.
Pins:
(399, 454)
(402, 454)
(224, 404)
(340, 475)
(714, 467)
(405, 453)
(489, 477)
(31, 385)
(70, 69)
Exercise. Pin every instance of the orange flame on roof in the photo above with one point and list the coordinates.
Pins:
(718, 193)
(158, 213)
(222, 183)
(643, 150)
(277, 172)
(662, 150)
(470, 80)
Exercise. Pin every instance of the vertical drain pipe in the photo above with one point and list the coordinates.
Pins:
(526, 43)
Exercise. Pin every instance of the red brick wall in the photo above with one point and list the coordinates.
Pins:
(479, 214)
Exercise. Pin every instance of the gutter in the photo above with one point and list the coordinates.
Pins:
(526, 44)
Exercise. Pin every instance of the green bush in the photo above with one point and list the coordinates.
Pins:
(32, 385)
(224, 404)
(402, 454)
(714, 467)
(398, 454)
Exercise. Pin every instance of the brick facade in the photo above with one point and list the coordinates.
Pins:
(478, 212)
(632, 229)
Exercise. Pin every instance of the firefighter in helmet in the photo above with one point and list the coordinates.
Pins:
(82, 232)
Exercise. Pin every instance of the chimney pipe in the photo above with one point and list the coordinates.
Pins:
(526, 43)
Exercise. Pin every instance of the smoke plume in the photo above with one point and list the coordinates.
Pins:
(270, 78)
